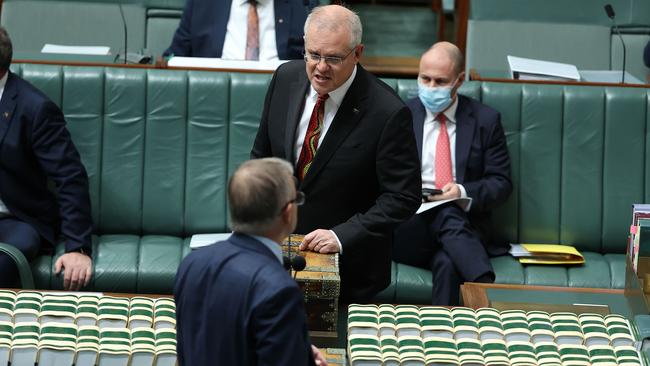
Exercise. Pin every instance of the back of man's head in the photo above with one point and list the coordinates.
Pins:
(6, 50)
(257, 193)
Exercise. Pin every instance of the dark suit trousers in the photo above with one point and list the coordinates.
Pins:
(443, 240)
(22, 236)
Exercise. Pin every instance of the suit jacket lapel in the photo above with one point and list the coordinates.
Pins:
(465, 127)
(298, 89)
(419, 114)
(281, 8)
(347, 117)
(7, 105)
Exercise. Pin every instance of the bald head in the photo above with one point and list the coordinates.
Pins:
(334, 19)
(445, 52)
(257, 192)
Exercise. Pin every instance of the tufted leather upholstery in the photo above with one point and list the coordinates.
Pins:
(160, 144)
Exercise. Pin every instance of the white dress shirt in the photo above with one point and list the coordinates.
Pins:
(4, 211)
(429, 139)
(332, 105)
(234, 45)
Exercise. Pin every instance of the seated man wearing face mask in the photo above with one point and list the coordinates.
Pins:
(463, 153)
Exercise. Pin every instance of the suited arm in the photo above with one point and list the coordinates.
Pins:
(60, 160)
(280, 330)
(495, 186)
(397, 167)
(182, 41)
(262, 145)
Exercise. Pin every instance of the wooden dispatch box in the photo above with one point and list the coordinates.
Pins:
(321, 286)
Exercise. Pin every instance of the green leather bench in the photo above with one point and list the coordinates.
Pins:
(159, 145)
(576, 32)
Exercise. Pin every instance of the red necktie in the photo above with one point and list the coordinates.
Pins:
(253, 34)
(310, 145)
(443, 155)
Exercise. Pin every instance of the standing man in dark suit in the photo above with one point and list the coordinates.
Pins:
(35, 147)
(351, 139)
(235, 303)
(241, 29)
(464, 154)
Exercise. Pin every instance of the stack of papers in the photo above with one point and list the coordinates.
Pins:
(546, 254)
(76, 50)
(531, 69)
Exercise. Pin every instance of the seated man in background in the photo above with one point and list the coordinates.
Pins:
(35, 147)
(242, 29)
(235, 303)
(463, 153)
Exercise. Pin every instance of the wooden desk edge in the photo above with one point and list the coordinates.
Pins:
(475, 76)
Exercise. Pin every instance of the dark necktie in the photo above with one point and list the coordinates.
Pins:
(310, 144)
(253, 34)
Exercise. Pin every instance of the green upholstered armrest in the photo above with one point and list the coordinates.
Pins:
(25, 272)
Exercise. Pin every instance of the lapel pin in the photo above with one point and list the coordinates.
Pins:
(6, 114)
(355, 110)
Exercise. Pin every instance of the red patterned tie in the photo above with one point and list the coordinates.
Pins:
(310, 145)
(443, 155)
(253, 34)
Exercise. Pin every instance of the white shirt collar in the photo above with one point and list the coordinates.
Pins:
(273, 246)
(3, 81)
(450, 112)
(337, 94)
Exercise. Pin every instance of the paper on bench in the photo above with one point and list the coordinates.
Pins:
(218, 63)
(201, 240)
(76, 50)
(531, 69)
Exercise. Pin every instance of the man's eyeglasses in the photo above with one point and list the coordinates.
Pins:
(330, 60)
(298, 201)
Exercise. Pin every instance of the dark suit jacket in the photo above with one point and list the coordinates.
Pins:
(365, 178)
(482, 161)
(236, 305)
(646, 54)
(36, 147)
(202, 30)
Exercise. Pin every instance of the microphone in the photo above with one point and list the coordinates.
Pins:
(611, 15)
(296, 263)
(125, 31)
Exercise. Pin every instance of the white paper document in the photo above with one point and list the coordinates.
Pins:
(201, 240)
(531, 69)
(464, 203)
(76, 50)
(218, 63)
(517, 250)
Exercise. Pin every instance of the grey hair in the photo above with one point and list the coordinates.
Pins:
(323, 20)
(257, 192)
(6, 50)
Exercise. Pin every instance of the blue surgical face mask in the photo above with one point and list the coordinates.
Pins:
(435, 99)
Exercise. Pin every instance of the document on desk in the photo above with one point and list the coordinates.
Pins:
(218, 63)
(201, 240)
(531, 69)
(464, 203)
(76, 50)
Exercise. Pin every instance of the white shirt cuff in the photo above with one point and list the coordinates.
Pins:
(338, 241)
(463, 192)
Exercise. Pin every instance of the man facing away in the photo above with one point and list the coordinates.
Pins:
(36, 149)
(235, 303)
(463, 154)
(351, 139)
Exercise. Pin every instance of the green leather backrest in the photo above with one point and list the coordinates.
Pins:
(154, 143)
(32, 23)
(159, 145)
(393, 30)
